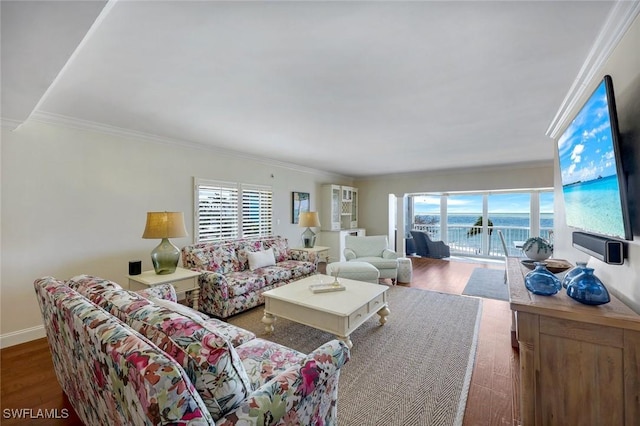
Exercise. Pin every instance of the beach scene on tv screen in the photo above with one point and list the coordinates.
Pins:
(589, 172)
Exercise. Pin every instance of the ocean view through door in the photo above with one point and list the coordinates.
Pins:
(468, 222)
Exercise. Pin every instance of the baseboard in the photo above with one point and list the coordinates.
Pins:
(22, 336)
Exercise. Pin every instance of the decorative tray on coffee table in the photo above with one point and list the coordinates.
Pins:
(326, 288)
(553, 265)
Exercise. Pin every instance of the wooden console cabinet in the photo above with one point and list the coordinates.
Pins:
(579, 364)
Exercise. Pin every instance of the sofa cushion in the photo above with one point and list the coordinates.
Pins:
(369, 246)
(298, 268)
(243, 248)
(235, 335)
(263, 360)
(274, 274)
(223, 259)
(280, 247)
(379, 262)
(218, 257)
(161, 292)
(244, 282)
(83, 282)
(209, 359)
(260, 259)
(196, 257)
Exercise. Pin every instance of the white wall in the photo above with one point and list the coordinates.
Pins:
(75, 201)
(374, 192)
(624, 67)
(623, 281)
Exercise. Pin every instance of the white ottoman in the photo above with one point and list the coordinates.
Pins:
(359, 271)
(405, 270)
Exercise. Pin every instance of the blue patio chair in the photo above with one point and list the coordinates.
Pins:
(425, 247)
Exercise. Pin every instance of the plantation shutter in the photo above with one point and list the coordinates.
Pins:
(256, 211)
(216, 211)
(228, 210)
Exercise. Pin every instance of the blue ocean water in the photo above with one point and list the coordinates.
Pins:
(503, 220)
(595, 206)
(515, 227)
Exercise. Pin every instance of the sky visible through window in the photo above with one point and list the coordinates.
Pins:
(468, 204)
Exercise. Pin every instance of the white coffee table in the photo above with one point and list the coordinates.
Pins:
(339, 312)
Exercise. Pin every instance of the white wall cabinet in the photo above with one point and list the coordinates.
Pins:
(339, 207)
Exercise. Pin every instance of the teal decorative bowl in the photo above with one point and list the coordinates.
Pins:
(537, 248)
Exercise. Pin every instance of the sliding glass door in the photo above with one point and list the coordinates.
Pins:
(469, 222)
(464, 223)
(510, 214)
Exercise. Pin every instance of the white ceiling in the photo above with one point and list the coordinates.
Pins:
(356, 88)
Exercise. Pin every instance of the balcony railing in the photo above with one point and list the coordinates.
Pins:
(463, 241)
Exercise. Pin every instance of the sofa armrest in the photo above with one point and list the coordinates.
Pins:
(213, 281)
(349, 254)
(162, 291)
(440, 249)
(296, 391)
(389, 254)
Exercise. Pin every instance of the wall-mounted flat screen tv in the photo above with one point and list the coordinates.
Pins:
(593, 182)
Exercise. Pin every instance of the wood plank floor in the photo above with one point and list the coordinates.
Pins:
(28, 380)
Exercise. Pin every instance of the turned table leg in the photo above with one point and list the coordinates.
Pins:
(195, 296)
(384, 312)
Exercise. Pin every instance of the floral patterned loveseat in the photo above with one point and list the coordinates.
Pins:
(125, 358)
(228, 285)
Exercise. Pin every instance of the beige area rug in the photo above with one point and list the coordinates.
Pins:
(414, 370)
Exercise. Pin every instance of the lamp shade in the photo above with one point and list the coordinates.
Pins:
(164, 225)
(308, 219)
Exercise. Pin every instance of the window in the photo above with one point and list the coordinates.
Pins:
(227, 210)
(510, 213)
(468, 221)
(256, 211)
(546, 215)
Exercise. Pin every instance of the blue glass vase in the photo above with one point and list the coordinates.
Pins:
(588, 289)
(541, 281)
(573, 273)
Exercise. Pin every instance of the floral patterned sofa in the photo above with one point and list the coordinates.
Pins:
(125, 358)
(228, 284)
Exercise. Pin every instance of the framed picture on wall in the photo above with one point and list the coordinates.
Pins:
(300, 202)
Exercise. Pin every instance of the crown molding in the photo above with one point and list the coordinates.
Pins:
(458, 171)
(618, 22)
(75, 123)
(9, 123)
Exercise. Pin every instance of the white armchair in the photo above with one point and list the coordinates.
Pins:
(375, 250)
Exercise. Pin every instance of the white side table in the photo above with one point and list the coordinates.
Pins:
(320, 251)
(183, 280)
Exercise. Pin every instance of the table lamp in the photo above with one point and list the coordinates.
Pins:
(165, 225)
(308, 220)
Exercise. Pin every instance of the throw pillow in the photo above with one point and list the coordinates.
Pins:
(260, 259)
